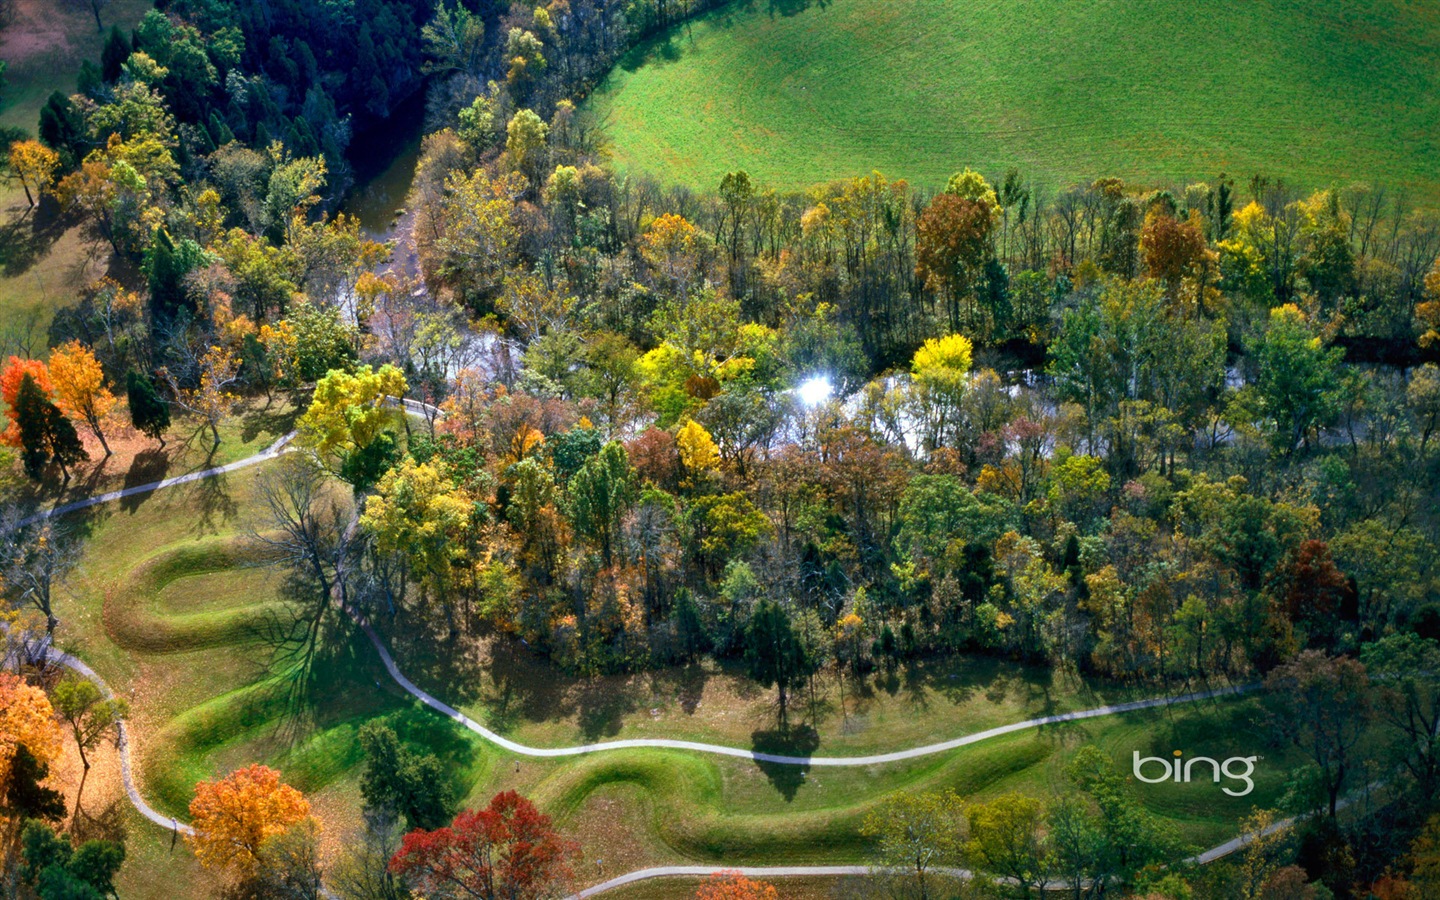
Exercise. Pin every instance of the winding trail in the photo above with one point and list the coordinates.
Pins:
(1217, 852)
(70, 662)
(274, 450)
(265, 455)
(779, 759)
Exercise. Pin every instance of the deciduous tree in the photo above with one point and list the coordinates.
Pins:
(1298, 382)
(916, 833)
(234, 816)
(91, 715)
(26, 720)
(507, 851)
(400, 781)
(210, 398)
(1322, 704)
(349, 412)
(1007, 839)
(80, 388)
(34, 165)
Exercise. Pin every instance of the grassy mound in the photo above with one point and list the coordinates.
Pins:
(799, 92)
(165, 606)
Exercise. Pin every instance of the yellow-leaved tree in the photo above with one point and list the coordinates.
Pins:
(347, 420)
(697, 449)
(941, 372)
(34, 164)
(418, 512)
(26, 720)
(80, 389)
(236, 815)
(210, 398)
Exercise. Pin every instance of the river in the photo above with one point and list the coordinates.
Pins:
(384, 161)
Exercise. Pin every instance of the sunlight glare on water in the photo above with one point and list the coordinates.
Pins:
(815, 391)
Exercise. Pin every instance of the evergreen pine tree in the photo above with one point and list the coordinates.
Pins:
(149, 412)
(31, 420)
(45, 434)
(116, 51)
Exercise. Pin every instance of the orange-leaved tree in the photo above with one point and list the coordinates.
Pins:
(734, 886)
(26, 720)
(80, 389)
(507, 850)
(237, 814)
(14, 373)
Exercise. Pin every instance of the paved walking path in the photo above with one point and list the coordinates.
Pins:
(274, 450)
(70, 662)
(268, 453)
(619, 881)
(742, 753)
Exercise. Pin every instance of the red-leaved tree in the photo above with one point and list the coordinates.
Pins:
(507, 851)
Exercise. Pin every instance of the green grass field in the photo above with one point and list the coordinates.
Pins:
(799, 92)
(168, 602)
(44, 261)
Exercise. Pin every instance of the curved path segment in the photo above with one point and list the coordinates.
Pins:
(123, 742)
(274, 450)
(741, 753)
(268, 453)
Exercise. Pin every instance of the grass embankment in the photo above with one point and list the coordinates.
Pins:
(170, 606)
(799, 92)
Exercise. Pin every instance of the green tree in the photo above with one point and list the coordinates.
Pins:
(1299, 381)
(166, 265)
(454, 40)
(46, 436)
(323, 343)
(916, 833)
(1322, 705)
(774, 654)
(938, 512)
(402, 781)
(1405, 672)
(149, 412)
(1129, 837)
(600, 494)
(91, 716)
(1006, 839)
(59, 871)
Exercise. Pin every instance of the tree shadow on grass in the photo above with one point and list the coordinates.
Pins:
(212, 501)
(602, 708)
(451, 670)
(148, 467)
(793, 741)
(688, 685)
(27, 238)
(268, 420)
(520, 687)
(789, 8)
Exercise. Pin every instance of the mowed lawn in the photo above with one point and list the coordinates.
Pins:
(45, 261)
(1155, 91)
